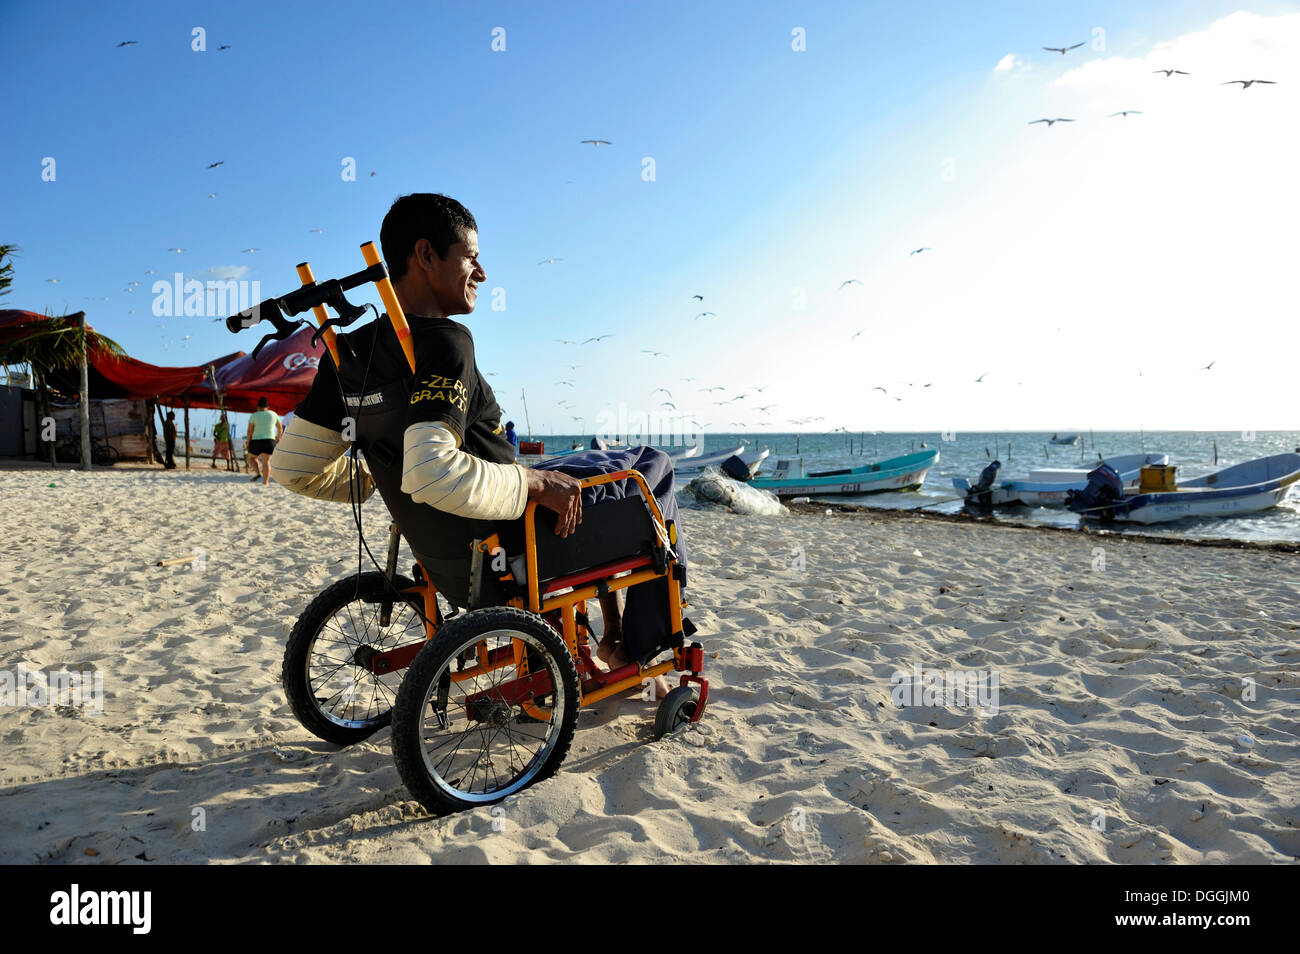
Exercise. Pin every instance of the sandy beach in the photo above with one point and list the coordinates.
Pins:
(1146, 707)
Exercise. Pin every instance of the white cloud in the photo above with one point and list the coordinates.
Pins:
(1075, 255)
(1010, 62)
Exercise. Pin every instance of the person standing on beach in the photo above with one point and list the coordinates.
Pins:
(221, 441)
(169, 441)
(264, 430)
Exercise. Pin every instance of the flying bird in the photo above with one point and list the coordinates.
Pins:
(176, 250)
(765, 407)
(567, 384)
(715, 388)
(372, 173)
(856, 333)
(598, 338)
(224, 46)
(762, 389)
(1125, 112)
(1169, 73)
(850, 281)
(1049, 122)
(52, 281)
(1210, 365)
(916, 250)
(564, 341)
(668, 404)
(550, 261)
(665, 390)
(980, 379)
(1063, 49)
(152, 271)
(654, 354)
(880, 389)
(215, 164)
(317, 231)
(597, 143)
(250, 250)
(705, 314)
(698, 297)
(212, 195)
(126, 43)
(1245, 84)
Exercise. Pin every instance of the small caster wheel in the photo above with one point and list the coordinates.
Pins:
(676, 710)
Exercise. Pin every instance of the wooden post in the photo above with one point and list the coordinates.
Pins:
(86, 463)
(187, 433)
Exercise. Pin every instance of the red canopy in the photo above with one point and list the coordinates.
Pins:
(282, 373)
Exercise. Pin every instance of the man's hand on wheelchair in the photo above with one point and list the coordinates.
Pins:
(559, 492)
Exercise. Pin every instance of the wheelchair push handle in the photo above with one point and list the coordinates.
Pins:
(313, 296)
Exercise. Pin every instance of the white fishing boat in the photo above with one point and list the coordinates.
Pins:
(898, 473)
(1243, 488)
(1048, 487)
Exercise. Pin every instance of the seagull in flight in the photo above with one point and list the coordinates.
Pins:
(215, 164)
(917, 250)
(765, 407)
(1210, 365)
(317, 231)
(52, 281)
(715, 388)
(698, 297)
(597, 143)
(1169, 73)
(705, 314)
(880, 389)
(598, 338)
(655, 354)
(550, 261)
(250, 250)
(1062, 49)
(1049, 122)
(1245, 84)
(152, 271)
(567, 384)
(212, 195)
(224, 46)
(762, 389)
(850, 281)
(980, 379)
(665, 390)
(176, 250)
(668, 404)
(1125, 112)
(564, 341)
(858, 332)
(126, 43)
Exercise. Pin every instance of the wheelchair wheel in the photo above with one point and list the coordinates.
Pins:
(456, 741)
(676, 710)
(333, 692)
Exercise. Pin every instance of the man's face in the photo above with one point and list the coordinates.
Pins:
(454, 280)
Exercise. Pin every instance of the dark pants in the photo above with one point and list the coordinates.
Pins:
(170, 462)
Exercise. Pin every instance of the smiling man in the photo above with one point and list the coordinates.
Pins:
(433, 441)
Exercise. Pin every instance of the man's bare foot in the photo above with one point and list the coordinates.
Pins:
(607, 647)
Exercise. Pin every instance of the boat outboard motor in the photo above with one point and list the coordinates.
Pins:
(1105, 486)
(736, 469)
(978, 495)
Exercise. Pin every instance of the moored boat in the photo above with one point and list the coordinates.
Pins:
(1242, 488)
(898, 473)
(1048, 487)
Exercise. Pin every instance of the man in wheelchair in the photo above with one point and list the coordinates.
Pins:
(433, 442)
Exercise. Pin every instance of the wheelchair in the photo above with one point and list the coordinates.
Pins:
(484, 703)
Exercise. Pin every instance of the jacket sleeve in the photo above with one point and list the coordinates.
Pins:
(436, 472)
(312, 460)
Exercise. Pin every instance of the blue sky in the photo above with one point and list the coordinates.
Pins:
(778, 174)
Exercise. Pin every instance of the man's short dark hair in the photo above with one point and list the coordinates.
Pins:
(422, 215)
(263, 402)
